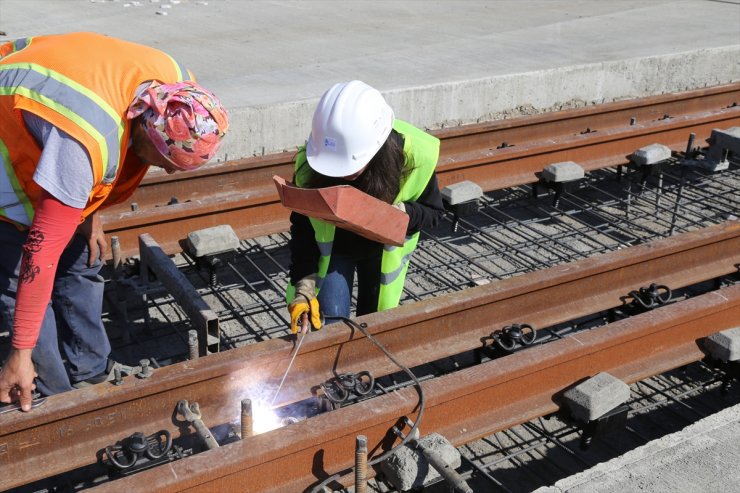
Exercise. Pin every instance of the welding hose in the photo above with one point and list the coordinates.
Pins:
(363, 328)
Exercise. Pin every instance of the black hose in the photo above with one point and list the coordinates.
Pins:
(363, 328)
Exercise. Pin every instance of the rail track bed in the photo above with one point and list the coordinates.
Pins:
(565, 267)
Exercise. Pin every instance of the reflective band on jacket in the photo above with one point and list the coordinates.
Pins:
(69, 99)
(389, 277)
(421, 151)
(21, 43)
(14, 206)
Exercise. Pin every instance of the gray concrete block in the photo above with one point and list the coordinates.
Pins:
(725, 345)
(463, 191)
(654, 153)
(407, 468)
(212, 240)
(560, 172)
(722, 143)
(596, 396)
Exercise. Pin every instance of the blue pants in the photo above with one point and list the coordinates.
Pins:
(335, 295)
(72, 324)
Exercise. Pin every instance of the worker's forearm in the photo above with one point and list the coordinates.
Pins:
(427, 210)
(53, 225)
(304, 252)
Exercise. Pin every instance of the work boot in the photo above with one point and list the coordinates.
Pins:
(105, 376)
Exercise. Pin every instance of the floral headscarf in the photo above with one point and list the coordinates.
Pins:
(185, 122)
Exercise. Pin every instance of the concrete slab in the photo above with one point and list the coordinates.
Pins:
(596, 396)
(217, 239)
(408, 468)
(560, 172)
(463, 191)
(701, 457)
(652, 154)
(721, 143)
(725, 345)
(438, 63)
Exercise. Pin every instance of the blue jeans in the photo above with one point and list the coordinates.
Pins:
(72, 324)
(335, 296)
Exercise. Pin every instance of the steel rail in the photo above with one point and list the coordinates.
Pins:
(241, 193)
(62, 434)
(462, 406)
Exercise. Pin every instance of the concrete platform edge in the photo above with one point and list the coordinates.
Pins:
(632, 471)
(285, 126)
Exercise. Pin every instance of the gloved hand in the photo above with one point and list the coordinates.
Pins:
(305, 302)
(400, 206)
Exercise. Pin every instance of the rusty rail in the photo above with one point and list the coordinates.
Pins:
(242, 194)
(462, 406)
(63, 434)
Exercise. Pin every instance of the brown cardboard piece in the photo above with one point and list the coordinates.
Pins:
(347, 208)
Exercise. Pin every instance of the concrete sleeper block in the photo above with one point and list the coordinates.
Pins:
(722, 142)
(652, 154)
(561, 172)
(212, 240)
(725, 345)
(463, 191)
(407, 468)
(596, 396)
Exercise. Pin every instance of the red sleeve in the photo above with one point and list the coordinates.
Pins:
(53, 226)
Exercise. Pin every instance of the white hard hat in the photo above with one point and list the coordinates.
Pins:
(350, 124)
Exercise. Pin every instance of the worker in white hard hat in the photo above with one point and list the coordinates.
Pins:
(356, 140)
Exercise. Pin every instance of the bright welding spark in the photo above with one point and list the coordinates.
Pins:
(264, 417)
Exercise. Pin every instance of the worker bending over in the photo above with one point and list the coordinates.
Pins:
(355, 140)
(82, 117)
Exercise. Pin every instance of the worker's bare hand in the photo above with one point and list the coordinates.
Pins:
(16, 378)
(92, 230)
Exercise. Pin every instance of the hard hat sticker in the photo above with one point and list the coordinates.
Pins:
(330, 143)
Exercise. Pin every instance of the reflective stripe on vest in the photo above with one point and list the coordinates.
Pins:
(10, 47)
(21, 43)
(421, 151)
(68, 98)
(14, 206)
(405, 254)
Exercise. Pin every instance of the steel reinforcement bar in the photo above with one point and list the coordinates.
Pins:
(494, 155)
(65, 433)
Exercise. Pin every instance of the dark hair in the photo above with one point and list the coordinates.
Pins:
(382, 176)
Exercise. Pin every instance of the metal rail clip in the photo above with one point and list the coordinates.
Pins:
(512, 335)
(348, 386)
(129, 451)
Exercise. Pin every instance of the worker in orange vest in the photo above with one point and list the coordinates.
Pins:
(82, 117)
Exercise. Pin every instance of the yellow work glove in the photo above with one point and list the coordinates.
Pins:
(305, 302)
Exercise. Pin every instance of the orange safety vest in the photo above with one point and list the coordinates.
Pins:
(83, 84)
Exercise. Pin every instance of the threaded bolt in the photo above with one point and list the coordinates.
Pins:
(145, 372)
(115, 248)
(193, 344)
(117, 378)
(361, 464)
(246, 418)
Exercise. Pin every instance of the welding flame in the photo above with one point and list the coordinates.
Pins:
(264, 417)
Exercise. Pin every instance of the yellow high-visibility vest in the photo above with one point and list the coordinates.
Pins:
(421, 152)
